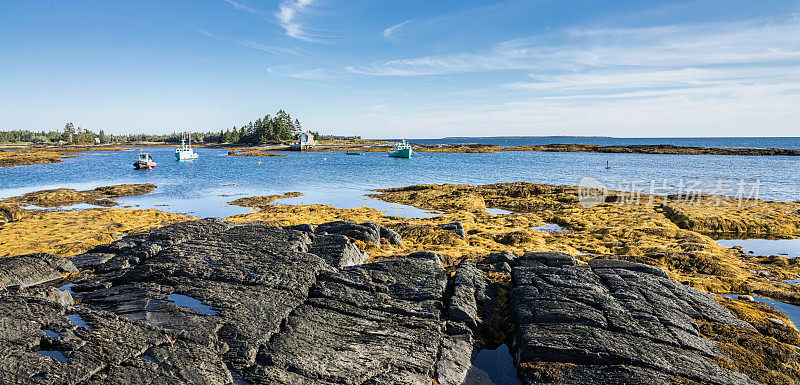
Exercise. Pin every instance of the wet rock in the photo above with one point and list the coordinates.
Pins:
(90, 347)
(612, 324)
(337, 250)
(746, 298)
(33, 269)
(455, 228)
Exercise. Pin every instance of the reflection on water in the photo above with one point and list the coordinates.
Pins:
(54, 354)
(791, 311)
(551, 228)
(78, 321)
(340, 180)
(498, 211)
(785, 247)
(191, 303)
(493, 367)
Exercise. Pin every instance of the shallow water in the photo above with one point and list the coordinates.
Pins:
(791, 311)
(493, 367)
(203, 187)
(498, 211)
(78, 321)
(191, 303)
(54, 354)
(551, 228)
(784, 247)
(51, 334)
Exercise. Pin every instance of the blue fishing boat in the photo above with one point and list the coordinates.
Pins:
(401, 150)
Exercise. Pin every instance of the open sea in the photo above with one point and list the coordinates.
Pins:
(203, 187)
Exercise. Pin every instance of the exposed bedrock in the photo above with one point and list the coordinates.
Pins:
(611, 322)
(210, 302)
(365, 232)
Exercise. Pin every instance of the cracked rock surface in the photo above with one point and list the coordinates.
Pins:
(210, 302)
(613, 323)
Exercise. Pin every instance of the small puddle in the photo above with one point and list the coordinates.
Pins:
(551, 228)
(237, 379)
(493, 367)
(191, 303)
(793, 281)
(54, 354)
(499, 211)
(784, 247)
(78, 321)
(67, 287)
(51, 334)
(791, 311)
(150, 358)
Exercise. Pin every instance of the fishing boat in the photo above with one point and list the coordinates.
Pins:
(145, 162)
(401, 150)
(354, 153)
(185, 152)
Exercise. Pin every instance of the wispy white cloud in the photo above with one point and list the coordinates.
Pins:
(704, 79)
(287, 15)
(581, 49)
(315, 74)
(388, 33)
(242, 7)
(206, 33)
(271, 49)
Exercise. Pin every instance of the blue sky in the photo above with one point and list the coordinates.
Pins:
(381, 68)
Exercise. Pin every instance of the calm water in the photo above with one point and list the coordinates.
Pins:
(791, 311)
(493, 367)
(740, 142)
(204, 186)
(784, 247)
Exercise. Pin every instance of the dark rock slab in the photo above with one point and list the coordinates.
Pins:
(247, 279)
(390, 235)
(455, 228)
(365, 232)
(599, 263)
(379, 323)
(469, 288)
(546, 258)
(43, 342)
(33, 269)
(337, 250)
(501, 257)
(616, 325)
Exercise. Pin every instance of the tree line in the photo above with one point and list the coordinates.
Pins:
(267, 130)
(276, 129)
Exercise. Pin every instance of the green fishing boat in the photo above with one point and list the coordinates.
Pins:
(185, 152)
(401, 150)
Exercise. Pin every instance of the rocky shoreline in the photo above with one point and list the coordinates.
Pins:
(20, 155)
(213, 302)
